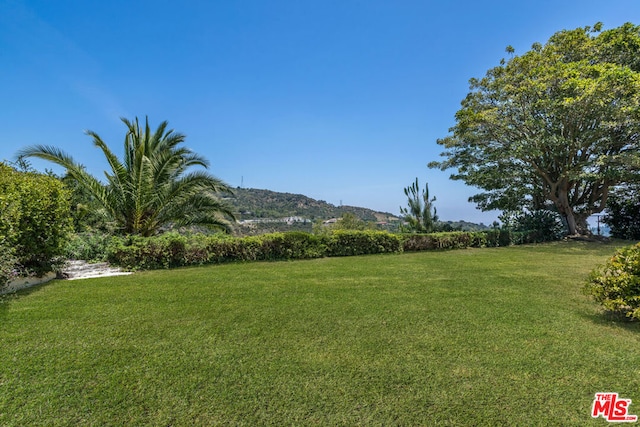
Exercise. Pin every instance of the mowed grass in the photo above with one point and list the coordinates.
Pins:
(469, 337)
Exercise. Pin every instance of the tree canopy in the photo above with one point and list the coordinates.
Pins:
(151, 187)
(558, 125)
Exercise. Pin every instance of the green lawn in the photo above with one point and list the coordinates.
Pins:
(470, 337)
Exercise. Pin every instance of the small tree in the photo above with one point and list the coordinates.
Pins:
(349, 221)
(419, 214)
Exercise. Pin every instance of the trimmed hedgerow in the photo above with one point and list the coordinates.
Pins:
(351, 242)
(469, 239)
(174, 250)
(616, 284)
(293, 245)
(433, 241)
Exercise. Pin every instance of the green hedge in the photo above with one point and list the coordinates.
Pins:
(35, 218)
(350, 242)
(468, 239)
(174, 250)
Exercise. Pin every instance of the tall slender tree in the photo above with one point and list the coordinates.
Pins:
(151, 187)
(418, 212)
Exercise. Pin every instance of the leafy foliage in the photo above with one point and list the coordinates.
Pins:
(623, 213)
(542, 225)
(87, 213)
(348, 221)
(151, 187)
(8, 263)
(616, 285)
(558, 123)
(34, 220)
(351, 242)
(459, 226)
(468, 239)
(88, 246)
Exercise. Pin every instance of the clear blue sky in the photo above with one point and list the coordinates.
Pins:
(339, 100)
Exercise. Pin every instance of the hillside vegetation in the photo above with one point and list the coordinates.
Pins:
(253, 203)
(261, 211)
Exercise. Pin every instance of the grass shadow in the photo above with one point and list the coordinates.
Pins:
(11, 297)
(573, 245)
(615, 319)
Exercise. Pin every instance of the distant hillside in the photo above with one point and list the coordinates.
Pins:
(252, 203)
(264, 211)
(462, 226)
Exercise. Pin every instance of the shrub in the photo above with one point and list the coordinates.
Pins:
(293, 245)
(148, 253)
(444, 240)
(347, 243)
(623, 213)
(89, 246)
(8, 262)
(616, 285)
(467, 239)
(536, 226)
(35, 218)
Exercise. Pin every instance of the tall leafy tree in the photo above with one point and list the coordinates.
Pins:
(559, 124)
(418, 212)
(151, 187)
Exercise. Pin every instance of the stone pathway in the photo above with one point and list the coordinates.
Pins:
(75, 270)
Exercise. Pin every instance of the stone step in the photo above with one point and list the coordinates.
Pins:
(73, 270)
(78, 269)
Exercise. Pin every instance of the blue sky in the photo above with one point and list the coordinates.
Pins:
(342, 101)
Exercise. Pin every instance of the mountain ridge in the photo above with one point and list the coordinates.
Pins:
(253, 203)
(262, 210)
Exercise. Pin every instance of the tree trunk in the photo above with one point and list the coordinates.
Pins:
(571, 222)
(581, 225)
(564, 208)
(559, 194)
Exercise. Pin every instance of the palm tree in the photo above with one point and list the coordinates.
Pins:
(150, 188)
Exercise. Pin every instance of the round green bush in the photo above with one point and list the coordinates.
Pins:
(35, 218)
(616, 285)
